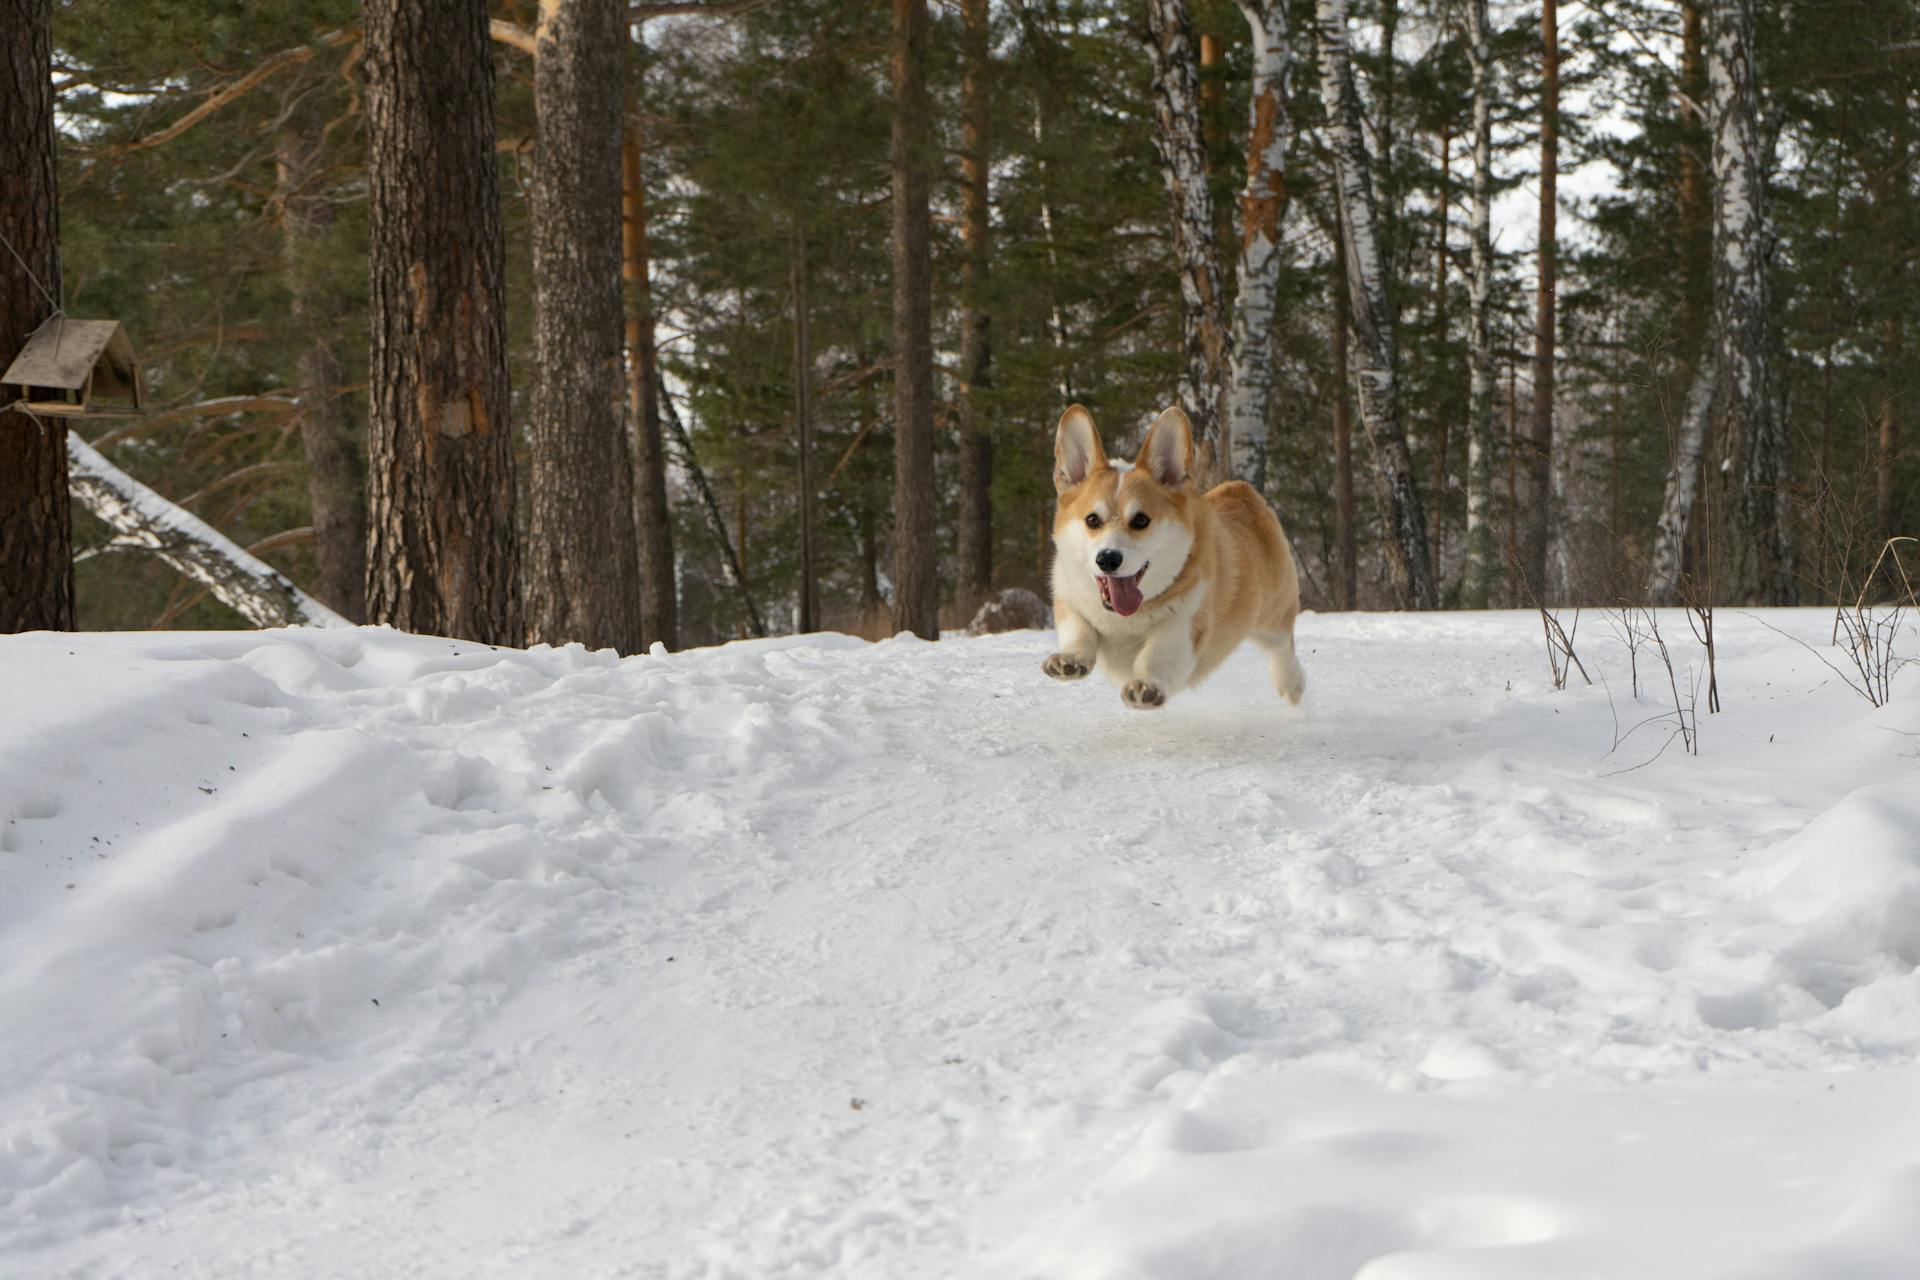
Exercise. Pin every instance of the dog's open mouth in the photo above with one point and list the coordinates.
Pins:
(1121, 595)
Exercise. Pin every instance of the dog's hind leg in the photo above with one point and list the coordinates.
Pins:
(1283, 664)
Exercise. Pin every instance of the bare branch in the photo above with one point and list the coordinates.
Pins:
(239, 88)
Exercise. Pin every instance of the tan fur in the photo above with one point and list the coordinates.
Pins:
(1237, 580)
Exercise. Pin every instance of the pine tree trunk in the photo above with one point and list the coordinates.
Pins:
(1482, 563)
(1262, 199)
(652, 516)
(442, 556)
(582, 569)
(975, 514)
(1346, 558)
(1537, 497)
(916, 586)
(329, 436)
(803, 431)
(1371, 353)
(1206, 369)
(1759, 550)
(36, 526)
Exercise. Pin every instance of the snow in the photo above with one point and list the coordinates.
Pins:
(351, 953)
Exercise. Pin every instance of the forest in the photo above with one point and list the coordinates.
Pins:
(679, 322)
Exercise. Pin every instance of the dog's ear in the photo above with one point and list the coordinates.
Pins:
(1076, 449)
(1167, 452)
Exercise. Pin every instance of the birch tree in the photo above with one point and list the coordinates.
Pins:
(442, 555)
(1371, 349)
(582, 572)
(1760, 552)
(36, 528)
(1683, 482)
(1207, 342)
(1479, 574)
(1262, 199)
(144, 520)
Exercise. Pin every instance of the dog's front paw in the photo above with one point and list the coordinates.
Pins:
(1143, 695)
(1064, 666)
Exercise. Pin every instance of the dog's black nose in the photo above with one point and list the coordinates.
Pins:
(1109, 560)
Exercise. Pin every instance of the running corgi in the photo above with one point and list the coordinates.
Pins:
(1156, 583)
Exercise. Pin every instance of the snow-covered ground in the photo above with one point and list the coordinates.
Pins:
(352, 954)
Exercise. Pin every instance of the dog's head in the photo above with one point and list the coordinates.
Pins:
(1124, 524)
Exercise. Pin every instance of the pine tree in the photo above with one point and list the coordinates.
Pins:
(36, 558)
(916, 600)
(582, 570)
(443, 556)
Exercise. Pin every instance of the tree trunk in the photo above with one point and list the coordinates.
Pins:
(803, 431)
(1695, 220)
(442, 555)
(916, 586)
(139, 517)
(1250, 395)
(36, 526)
(1537, 498)
(1372, 345)
(1482, 567)
(582, 570)
(329, 436)
(1443, 430)
(1760, 552)
(1206, 369)
(1346, 559)
(1891, 352)
(1674, 532)
(652, 516)
(975, 514)
(1683, 482)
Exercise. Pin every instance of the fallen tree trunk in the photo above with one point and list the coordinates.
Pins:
(139, 517)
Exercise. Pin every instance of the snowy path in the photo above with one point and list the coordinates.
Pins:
(356, 954)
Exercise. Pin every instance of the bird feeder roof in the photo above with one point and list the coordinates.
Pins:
(87, 357)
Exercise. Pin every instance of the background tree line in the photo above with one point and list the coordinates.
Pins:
(790, 294)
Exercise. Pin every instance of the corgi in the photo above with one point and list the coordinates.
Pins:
(1156, 583)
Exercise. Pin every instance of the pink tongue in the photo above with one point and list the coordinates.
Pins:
(1124, 594)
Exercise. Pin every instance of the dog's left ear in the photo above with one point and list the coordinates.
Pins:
(1167, 452)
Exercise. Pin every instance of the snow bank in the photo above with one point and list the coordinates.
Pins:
(352, 953)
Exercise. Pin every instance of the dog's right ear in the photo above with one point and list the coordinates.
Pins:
(1076, 449)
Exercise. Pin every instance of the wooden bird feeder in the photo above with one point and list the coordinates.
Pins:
(77, 369)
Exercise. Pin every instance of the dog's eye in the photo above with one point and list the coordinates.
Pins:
(1093, 519)
(1140, 520)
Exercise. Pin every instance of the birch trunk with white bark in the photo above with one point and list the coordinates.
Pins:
(1262, 199)
(1206, 368)
(1371, 351)
(1760, 551)
(1481, 570)
(139, 517)
(1683, 483)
